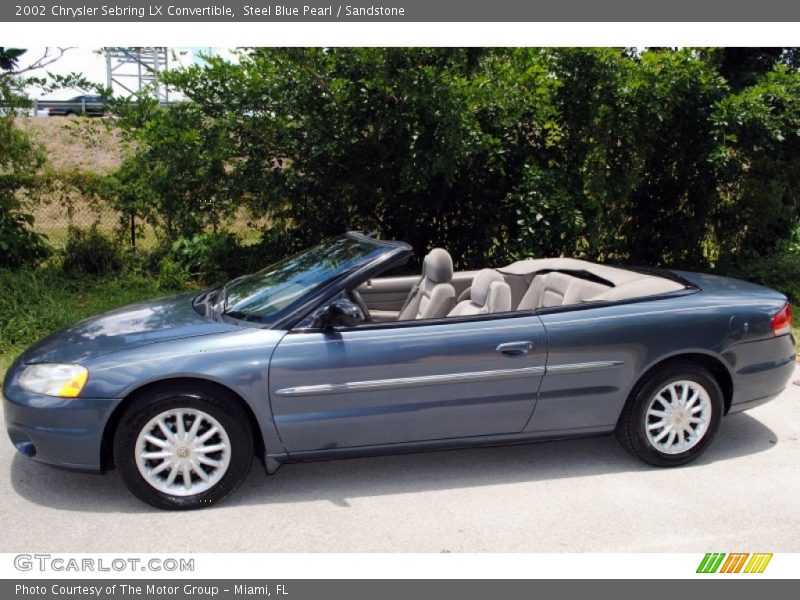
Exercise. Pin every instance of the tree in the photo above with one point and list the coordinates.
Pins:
(9, 58)
(177, 177)
(743, 67)
(758, 160)
(20, 161)
(657, 157)
(421, 144)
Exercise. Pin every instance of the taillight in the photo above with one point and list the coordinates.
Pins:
(782, 320)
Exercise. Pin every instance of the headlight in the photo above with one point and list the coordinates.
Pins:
(65, 381)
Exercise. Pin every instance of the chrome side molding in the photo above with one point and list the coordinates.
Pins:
(400, 382)
(387, 384)
(597, 365)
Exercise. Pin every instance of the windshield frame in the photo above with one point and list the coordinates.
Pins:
(299, 308)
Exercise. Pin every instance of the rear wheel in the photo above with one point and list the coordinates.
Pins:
(673, 416)
(182, 448)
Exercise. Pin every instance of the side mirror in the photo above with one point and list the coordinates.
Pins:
(341, 313)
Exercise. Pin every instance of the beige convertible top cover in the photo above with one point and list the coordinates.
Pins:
(624, 284)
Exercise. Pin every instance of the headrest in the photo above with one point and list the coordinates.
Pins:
(499, 297)
(480, 285)
(438, 266)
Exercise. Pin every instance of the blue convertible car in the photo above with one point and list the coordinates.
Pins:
(318, 356)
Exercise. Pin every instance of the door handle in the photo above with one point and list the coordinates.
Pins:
(515, 348)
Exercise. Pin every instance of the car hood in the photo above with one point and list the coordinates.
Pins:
(124, 328)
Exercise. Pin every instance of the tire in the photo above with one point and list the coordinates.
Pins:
(648, 424)
(147, 455)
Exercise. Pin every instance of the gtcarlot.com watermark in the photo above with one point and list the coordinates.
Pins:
(45, 563)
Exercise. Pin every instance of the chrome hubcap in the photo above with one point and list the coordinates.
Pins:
(678, 417)
(183, 452)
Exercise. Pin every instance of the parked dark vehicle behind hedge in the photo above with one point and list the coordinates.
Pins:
(87, 106)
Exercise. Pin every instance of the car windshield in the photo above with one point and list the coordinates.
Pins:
(262, 295)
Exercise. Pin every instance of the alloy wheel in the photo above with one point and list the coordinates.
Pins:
(183, 452)
(678, 417)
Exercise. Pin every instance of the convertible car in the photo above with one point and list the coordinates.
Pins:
(319, 356)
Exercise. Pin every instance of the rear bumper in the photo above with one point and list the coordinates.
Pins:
(65, 433)
(762, 371)
(747, 405)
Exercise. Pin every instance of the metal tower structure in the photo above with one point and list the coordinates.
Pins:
(136, 71)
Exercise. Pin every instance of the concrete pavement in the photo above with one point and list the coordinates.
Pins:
(579, 496)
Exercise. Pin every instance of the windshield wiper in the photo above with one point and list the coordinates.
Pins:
(237, 314)
(222, 297)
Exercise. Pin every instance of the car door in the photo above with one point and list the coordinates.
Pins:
(593, 357)
(390, 384)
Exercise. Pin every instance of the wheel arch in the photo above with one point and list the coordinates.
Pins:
(106, 454)
(713, 364)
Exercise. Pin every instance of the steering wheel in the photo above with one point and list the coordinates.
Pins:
(356, 297)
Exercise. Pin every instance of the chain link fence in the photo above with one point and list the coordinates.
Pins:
(54, 220)
(78, 145)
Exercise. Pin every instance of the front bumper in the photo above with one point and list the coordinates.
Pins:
(66, 433)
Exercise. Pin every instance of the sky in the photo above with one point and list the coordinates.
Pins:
(92, 64)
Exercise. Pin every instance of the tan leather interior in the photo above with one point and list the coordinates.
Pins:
(557, 289)
(385, 296)
(565, 281)
(434, 297)
(522, 285)
(489, 293)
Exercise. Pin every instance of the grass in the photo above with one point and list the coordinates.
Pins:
(35, 303)
(84, 143)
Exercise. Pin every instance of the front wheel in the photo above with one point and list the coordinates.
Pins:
(673, 417)
(182, 448)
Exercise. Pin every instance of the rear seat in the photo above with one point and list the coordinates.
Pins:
(564, 281)
(558, 289)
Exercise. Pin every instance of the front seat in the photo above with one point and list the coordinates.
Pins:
(489, 293)
(433, 296)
